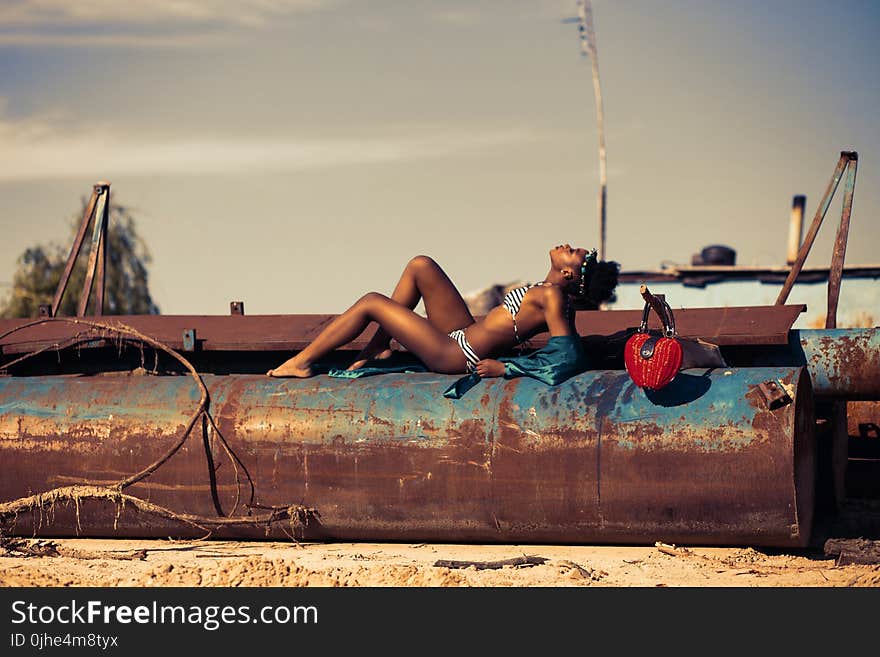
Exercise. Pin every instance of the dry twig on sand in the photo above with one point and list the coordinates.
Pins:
(491, 565)
(672, 550)
(76, 494)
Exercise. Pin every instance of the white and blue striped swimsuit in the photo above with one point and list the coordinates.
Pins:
(513, 301)
(469, 354)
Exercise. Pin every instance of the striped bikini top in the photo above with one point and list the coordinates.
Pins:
(513, 301)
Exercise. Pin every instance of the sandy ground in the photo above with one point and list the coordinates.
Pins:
(117, 562)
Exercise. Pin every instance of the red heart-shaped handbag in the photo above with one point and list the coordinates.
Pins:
(652, 361)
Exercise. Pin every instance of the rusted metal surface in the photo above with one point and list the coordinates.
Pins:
(863, 421)
(189, 339)
(774, 394)
(844, 364)
(595, 459)
(863, 466)
(746, 325)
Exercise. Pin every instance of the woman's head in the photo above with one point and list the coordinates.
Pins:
(588, 280)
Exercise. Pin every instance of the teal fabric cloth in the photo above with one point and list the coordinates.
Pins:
(560, 359)
(370, 370)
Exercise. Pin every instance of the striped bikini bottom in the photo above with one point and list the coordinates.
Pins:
(469, 354)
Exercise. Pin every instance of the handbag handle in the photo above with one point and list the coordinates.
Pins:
(659, 304)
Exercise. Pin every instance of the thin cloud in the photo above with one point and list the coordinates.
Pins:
(157, 23)
(193, 23)
(34, 149)
(54, 13)
(133, 41)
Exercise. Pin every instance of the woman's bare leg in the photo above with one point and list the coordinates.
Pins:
(436, 349)
(422, 278)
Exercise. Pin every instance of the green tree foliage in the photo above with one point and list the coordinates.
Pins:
(40, 268)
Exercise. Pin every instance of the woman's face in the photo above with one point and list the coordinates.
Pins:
(565, 257)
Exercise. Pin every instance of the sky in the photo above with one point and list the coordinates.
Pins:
(294, 154)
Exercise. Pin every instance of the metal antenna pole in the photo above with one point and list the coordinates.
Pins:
(588, 49)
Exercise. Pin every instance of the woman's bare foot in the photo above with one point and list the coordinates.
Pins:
(367, 355)
(291, 368)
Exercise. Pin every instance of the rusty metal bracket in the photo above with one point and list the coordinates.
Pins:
(774, 394)
(848, 162)
(189, 339)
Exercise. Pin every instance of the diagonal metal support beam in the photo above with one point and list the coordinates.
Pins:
(100, 272)
(847, 158)
(75, 249)
(836, 272)
(99, 239)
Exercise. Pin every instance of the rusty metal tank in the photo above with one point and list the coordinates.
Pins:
(723, 456)
(844, 364)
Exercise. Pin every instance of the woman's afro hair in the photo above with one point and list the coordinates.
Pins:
(600, 288)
